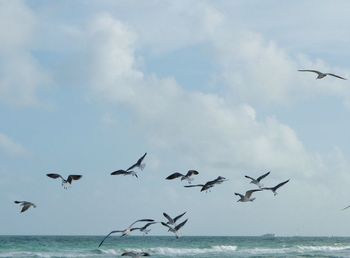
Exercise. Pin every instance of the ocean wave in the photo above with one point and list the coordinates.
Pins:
(295, 249)
(170, 251)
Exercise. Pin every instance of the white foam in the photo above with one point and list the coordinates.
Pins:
(169, 251)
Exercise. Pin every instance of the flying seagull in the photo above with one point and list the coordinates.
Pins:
(176, 228)
(274, 189)
(139, 163)
(187, 177)
(126, 231)
(209, 184)
(322, 75)
(247, 196)
(124, 172)
(257, 181)
(67, 181)
(172, 221)
(144, 229)
(135, 254)
(25, 205)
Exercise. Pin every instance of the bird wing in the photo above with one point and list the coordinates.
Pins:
(140, 220)
(200, 185)
(25, 207)
(144, 254)
(250, 192)
(263, 176)
(120, 172)
(166, 225)
(192, 172)
(250, 178)
(240, 195)
(167, 217)
(19, 202)
(280, 184)
(334, 75)
(73, 177)
(177, 217)
(147, 225)
(174, 175)
(54, 176)
(180, 225)
(346, 207)
(313, 71)
(114, 231)
(138, 162)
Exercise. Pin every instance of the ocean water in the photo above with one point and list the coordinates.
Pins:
(204, 247)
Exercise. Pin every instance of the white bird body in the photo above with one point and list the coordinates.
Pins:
(247, 197)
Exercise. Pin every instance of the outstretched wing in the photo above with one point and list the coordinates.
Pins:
(334, 75)
(180, 225)
(112, 232)
(120, 172)
(192, 172)
(54, 176)
(240, 195)
(73, 177)
(167, 217)
(166, 225)
(346, 207)
(263, 176)
(147, 225)
(18, 202)
(138, 163)
(25, 207)
(313, 71)
(250, 178)
(280, 184)
(178, 217)
(141, 220)
(201, 185)
(174, 175)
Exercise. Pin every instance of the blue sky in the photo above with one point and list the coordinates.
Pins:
(86, 87)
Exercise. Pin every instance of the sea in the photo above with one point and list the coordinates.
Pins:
(166, 246)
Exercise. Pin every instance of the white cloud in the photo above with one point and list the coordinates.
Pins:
(9, 146)
(20, 73)
(259, 71)
(204, 126)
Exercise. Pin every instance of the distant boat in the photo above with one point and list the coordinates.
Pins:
(268, 236)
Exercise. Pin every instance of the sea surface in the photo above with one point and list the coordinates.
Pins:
(164, 246)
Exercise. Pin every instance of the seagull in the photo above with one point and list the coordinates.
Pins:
(209, 184)
(144, 229)
(322, 75)
(139, 163)
(175, 229)
(135, 254)
(257, 181)
(25, 205)
(67, 181)
(187, 177)
(126, 231)
(124, 172)
(274, 189)
(247, 196)
(172, 221)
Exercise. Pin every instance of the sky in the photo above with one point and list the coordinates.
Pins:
(87, 87)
